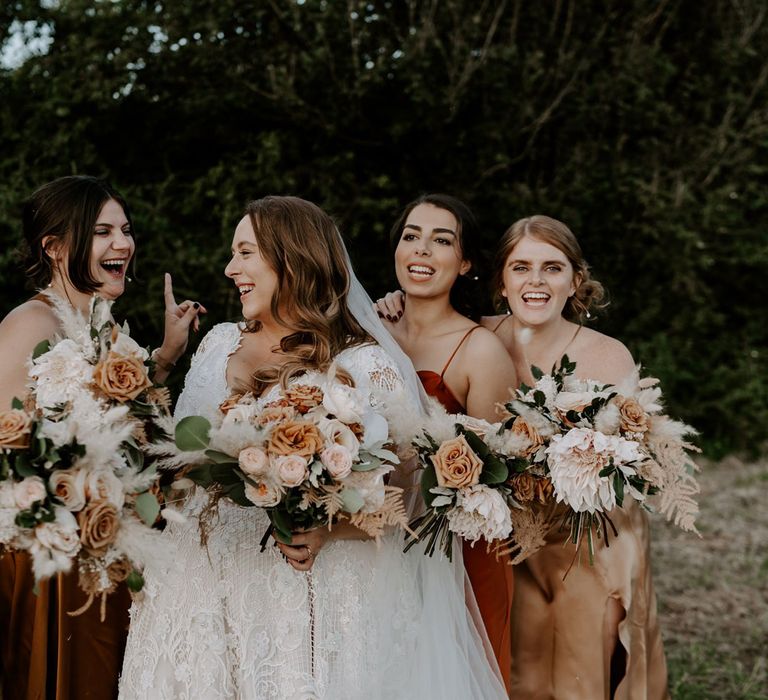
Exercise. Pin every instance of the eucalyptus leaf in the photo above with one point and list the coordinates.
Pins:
(495, 471)
(476, 443)
(41, 348)
(371, 463)
(17, 404)
(201, 475)
(193, 434)
(220, 457)
(147, 507)
(135, 581)
(536, 372)
(282, 524)
(428, 482)
(352, 500)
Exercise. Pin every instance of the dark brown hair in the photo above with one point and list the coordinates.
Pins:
(467, 293)
(301, 243)
(66, 211)
(589, 293)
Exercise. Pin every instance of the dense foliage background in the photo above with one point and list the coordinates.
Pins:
(643, 125)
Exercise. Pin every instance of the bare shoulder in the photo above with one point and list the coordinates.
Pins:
(28, 324)
(492, 322)
(485, 346)
(599, 356)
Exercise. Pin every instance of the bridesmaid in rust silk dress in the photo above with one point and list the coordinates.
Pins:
(461, 364)
(72, 226)
(594, 635)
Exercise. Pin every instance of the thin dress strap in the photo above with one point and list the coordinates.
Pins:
(456, 349)
(498, 325)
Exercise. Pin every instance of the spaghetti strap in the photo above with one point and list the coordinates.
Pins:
(498, 325)
(456, 349)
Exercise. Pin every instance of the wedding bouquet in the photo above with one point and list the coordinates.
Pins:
(463, 484)
(316, 454)
(590, 446)
(74, 484)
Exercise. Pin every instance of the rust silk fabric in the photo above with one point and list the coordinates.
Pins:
(46, 654)
(558, 636)
(492, 579)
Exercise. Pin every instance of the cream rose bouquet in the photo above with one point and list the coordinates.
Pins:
(463, 483)
(590, 446)
(316, 454)
(75, 486)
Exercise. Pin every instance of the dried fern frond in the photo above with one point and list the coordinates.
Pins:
(529, 528)
(391, 513)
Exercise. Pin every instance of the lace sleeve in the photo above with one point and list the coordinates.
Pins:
(372, 370)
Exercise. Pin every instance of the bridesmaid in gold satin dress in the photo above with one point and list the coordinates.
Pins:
(594, 635)
(79, 239)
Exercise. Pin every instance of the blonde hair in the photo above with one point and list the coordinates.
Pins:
(589, 293)
(301, 243)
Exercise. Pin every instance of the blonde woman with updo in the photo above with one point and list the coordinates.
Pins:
(594, 633)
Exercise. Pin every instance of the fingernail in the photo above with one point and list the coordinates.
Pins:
(389, 318)
(196, 305)
(399, 314)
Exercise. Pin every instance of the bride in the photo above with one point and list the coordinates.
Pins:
(334, 615)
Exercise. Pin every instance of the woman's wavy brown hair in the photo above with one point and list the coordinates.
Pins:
(589, 293)
(301, 243)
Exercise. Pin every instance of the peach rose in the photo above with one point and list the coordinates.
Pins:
(295, 437)
(291, 470)
(253, 461)
(15, 428)
(304, 397)
(265, 494)
(522, 427)
(456, 465)
(633, 418)
(69, 487)
(99, 522)
(29, 491)
(337, 459)
(121, 377)
(275, 414)
(523, 487)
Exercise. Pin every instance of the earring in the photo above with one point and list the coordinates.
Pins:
(128, 279)
(589, 315)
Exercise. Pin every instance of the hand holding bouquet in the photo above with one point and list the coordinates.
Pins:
(315, 454)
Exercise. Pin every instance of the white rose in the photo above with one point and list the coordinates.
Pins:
(253, 461)
(337, 432)
(337, 460)
(104, 485)
(291, 470)
(375, 429)
(61, 374)
(60, 535)
(370, 485)
(343, 402)
(29, 491)
(480, 512)
(60, 432)
(574, 400)
(69, 487)
(265, 494)
(125, 345)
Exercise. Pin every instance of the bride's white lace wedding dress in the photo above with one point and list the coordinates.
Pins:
(230, 621)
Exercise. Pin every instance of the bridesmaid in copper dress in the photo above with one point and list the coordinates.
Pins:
(594, 635)
(460, 363)
(79, 238)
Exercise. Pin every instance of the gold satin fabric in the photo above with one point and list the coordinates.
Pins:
(47, 655)
(557, 626)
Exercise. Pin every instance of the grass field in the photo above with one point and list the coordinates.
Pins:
(713, 590)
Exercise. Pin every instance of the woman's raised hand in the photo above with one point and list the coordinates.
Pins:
(391, 306)
(178, 320)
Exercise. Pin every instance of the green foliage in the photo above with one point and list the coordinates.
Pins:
(642, 125)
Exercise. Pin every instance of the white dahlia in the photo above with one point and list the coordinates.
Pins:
(480, 512)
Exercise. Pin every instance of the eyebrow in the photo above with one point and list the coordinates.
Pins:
(240, 245)
(434, 230)
(546, 262)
